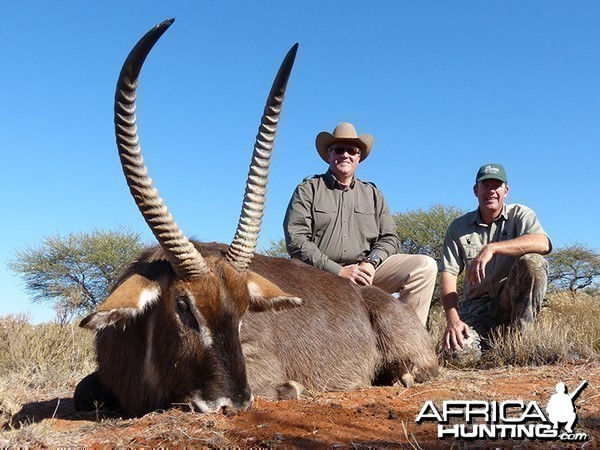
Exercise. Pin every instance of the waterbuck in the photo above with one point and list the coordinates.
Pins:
(208, 325)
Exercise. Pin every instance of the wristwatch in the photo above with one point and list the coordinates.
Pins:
(374, 260)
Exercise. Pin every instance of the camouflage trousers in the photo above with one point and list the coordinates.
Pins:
(517, 306)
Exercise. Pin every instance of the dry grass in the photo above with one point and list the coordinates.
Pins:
(35, 357)
(167, 430)
(567, 331)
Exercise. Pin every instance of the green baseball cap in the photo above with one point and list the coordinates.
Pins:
(493, 171)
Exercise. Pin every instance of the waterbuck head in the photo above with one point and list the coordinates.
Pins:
(169, 330)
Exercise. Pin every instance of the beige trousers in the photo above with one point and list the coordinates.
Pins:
(412, 277)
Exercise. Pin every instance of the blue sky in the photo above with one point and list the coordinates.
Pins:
(442, 86)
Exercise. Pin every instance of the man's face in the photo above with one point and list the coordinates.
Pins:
(491, 194)
(343, 160)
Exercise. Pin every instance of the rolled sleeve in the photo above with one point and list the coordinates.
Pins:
(528, 223)
(452, 261)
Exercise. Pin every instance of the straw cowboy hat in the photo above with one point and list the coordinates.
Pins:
(344, 133)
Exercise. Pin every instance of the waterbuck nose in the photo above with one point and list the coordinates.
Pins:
(243, 401)
(243, 405)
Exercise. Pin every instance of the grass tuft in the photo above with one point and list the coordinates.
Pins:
(45, 357)
(566, 331)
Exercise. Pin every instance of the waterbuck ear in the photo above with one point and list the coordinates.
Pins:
(265, 295)
(125, 302)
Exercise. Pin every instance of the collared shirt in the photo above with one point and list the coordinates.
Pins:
(467, 235)
(329, 226)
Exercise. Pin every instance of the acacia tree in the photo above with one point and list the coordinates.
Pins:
(574, 267)
(74, 273)
(277, 249)
(423, 231)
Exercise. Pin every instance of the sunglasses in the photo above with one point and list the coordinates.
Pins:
(342, 150)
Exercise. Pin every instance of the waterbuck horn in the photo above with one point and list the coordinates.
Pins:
(186, 261)
(244, 243)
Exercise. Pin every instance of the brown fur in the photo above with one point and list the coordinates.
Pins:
(342, 337)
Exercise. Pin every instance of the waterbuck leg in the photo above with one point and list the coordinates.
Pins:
(90, 395)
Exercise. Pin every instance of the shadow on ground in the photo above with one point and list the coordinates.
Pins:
(56, 408)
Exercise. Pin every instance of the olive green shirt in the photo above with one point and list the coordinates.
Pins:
(467, 235)
(329, 227)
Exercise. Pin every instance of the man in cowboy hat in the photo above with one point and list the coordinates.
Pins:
(343, 225)
(499, 246)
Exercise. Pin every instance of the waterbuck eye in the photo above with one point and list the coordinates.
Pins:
(185, 312)
(182, 303)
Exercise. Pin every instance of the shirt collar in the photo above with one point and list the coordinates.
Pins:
(479, 221)
(332, 182)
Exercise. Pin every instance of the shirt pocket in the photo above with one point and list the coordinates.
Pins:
(324, 217)
(366, 221)
(471, 252)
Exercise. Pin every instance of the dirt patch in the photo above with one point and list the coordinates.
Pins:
(378, 417)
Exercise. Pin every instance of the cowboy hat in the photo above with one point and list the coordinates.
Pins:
(344, 133)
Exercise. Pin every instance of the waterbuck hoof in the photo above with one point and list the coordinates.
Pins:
(291, 390)
(407, 379)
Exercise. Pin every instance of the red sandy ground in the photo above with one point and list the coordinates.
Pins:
(379, 417)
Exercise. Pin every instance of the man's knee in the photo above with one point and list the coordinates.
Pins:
(533, 264)
(428, 266)
(405, 267)
(524, 292)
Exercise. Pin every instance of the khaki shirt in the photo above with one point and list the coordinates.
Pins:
(467, 235)
(329, 227)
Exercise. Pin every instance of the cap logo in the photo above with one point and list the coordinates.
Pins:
(490, 169)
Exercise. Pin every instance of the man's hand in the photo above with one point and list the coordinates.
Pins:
(358, 273)
(453, 336)
(476, 270)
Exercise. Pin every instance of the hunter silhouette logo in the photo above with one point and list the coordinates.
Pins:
(510, 419)
(561, 408)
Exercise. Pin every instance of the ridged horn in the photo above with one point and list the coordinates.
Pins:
(244, 243)
(186, 261)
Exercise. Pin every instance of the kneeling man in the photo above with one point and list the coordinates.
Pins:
(500, 247)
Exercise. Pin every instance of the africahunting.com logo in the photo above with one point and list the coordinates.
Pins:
(511, 419)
